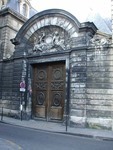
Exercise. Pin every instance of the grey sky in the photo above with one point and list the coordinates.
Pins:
(79, 8)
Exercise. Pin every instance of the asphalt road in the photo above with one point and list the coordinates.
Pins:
(30, 139)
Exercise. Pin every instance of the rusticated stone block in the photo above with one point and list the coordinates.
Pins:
(77, 113)
(77, 121)
(98, 114)
(99, 123)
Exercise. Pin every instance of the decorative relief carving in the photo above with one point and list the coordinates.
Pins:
(41, 75)
(51, 39)
(98, 41)
(56, 85)
(57, 99)
(50, 34)
(41, 85)
(48, 41)
(57, 74)
(40, 98)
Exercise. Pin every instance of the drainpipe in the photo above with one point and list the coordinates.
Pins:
(112, 18)
(112, 42)
(68, 92)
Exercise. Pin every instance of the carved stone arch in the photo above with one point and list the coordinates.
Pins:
(48, 16)
(52, 30)
(58, 21)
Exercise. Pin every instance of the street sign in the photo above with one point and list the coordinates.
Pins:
(22, 89)
(22, 86)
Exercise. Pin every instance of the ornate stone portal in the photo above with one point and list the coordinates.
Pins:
(53, 30)
(55, 36)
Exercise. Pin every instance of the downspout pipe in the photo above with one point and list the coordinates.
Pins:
(68, 93)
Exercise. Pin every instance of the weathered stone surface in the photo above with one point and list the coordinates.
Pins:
(90, 65)
(101, 102)
(77, 121)
(98, 113)
(9, 28)
(78, 113)
(99, 91)
(78, 90)
(105, 108)
(99, 123)
(78, 101)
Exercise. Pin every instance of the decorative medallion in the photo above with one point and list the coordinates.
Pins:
(57, 74)
(40, 98)
(41, 75)
(57, 99)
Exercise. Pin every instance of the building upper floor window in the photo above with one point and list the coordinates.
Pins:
(3, 4)
(25, 10)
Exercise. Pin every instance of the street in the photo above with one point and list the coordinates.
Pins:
(31, 139)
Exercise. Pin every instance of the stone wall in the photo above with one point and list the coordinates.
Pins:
(92, 88)
(78, 75)
(10, 96)
(10, 23)
(6, 85)
(89, 60)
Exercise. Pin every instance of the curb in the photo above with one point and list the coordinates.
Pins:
(66, 132)
(88, 136)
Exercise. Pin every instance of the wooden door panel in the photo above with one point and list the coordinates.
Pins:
(57, 102)
(55, 113)
(57, 91)
(40, 107)
(40, 112)
(49, 91)
(41, 84)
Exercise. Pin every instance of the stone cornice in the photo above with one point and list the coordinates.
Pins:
(13, 13)
(88, 26)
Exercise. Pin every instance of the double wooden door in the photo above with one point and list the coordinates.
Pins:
(49, 91)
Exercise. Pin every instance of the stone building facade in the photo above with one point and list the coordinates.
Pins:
(60, 70)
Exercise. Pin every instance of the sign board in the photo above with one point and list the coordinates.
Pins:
(22, 89)
(22, 86)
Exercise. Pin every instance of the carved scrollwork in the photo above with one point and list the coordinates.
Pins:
(56, 85)
(98, 41)
(41, 85)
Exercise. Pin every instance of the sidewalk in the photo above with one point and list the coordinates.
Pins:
(60, 128)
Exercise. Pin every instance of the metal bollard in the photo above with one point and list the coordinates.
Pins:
(21, 108)
(2, 115)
